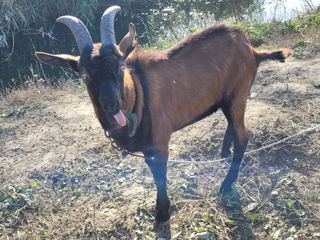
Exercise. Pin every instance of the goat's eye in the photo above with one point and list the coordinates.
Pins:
(84, 77)
(122, 66)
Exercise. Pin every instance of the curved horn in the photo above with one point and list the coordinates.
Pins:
(107, 25)
(79, 31)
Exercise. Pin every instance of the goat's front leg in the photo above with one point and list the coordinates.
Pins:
(158, 166)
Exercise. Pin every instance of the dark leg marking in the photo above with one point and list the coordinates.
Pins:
(158, 167)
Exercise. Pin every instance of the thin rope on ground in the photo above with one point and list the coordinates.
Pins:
(311, 129)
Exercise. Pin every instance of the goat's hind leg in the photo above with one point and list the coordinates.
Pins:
(227, 141)
(240, 138)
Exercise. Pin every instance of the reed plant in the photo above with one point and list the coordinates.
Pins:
(39, 15)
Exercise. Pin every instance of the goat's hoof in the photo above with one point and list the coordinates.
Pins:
(225, 189)
(225, 154)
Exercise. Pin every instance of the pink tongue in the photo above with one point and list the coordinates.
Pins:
(120, 118)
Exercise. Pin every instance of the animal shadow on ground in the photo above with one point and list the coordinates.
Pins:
(231, 204)
(162, 230)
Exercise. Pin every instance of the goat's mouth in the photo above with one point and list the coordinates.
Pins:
(120, 119)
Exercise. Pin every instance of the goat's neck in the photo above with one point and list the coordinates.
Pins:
(129, 93)
(133, 101)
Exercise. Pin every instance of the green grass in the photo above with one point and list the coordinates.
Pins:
(259, 33)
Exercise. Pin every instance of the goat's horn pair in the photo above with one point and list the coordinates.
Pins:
(81, 33)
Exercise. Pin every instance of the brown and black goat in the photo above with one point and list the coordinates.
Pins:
(166, 90)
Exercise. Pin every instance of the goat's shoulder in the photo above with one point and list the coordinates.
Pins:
(145, 57)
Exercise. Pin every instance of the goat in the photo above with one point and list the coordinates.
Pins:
(166, 89)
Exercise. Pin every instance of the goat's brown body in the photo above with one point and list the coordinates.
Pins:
(209, 70)
(194, 78)
(201, 77)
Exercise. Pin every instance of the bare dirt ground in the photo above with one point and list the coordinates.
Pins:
(60, 178)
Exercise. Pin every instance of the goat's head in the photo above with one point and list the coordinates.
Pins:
(101, 65)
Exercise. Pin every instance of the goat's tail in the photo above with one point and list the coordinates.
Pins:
(280, 54)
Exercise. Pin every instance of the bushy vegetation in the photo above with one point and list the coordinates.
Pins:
(37, 15)
(258, 33)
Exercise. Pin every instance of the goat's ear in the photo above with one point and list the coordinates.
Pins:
(61, 60)
(126, 45)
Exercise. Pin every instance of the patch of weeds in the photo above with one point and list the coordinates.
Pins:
(142, 213)
(257, 32)
(257, 219)
(164, 45)
(212, 146)
(300, 43)
(253, 218)
(115, 205)
(290, 27)
(76, 193)
(290, 204)
(316, 45)
(64, 176)
(4, 111)
(192, 30)
(15, 199)
(230, 223)
(82, 86)
(43, 234)
(312, 195)
(309, 21)
(10, 111)
(202, 226)
(209, 222)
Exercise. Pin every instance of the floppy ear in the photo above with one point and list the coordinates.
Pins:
(126, 45)
(62, 60)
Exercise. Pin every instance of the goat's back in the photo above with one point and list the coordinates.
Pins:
(195, 76)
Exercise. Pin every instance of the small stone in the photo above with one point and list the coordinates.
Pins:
(276, 235)
(253, 95)
(316, 85)
(139, 232)
(316, 234)
(192, 235)
(252, 207)
(293, 229)
(290, 238)
(203, 236)
(176, 236)
(267, 227)
(121, 180)
(274, 193)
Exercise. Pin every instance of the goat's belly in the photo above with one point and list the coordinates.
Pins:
(195, 117)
